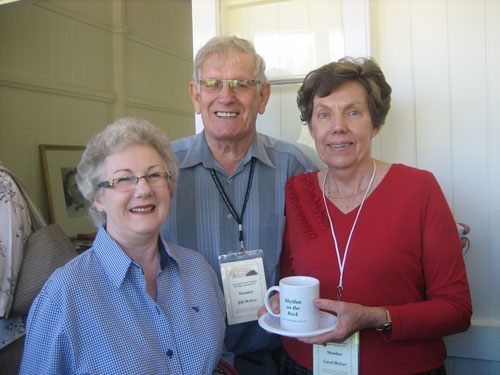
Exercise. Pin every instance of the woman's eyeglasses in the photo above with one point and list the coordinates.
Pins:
(128, 183)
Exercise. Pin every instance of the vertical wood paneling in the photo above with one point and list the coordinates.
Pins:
(431, 89)
(97, 10)
(62, 66)
(356, 21)
(492, 29)
(157, 76)
(270, 121)
(25, 119)
(469, 138)
(445, 53)
(397, 139)
(325, 22)
(176, 126)
(160, 21)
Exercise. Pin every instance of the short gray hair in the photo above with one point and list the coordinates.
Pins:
(223, 45)
(114, 138)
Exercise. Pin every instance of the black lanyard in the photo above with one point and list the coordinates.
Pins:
(239, 219)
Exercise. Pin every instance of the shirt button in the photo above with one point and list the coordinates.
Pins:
(170, 353)
(229, 180)
(229, 216)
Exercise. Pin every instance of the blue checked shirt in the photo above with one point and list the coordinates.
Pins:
(200, 220)
(94, 316)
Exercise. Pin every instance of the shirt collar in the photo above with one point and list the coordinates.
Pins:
(199, 153)
(116, 262)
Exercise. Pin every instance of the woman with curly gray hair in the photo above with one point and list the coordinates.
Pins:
(132, 303)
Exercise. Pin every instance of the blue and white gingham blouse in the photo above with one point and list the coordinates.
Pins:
(93, 316)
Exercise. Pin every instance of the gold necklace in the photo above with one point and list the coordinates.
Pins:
(330, 196)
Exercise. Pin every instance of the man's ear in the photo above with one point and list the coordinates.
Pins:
(195, 96)
(265, 92)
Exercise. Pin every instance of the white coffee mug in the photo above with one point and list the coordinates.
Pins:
(298, 312)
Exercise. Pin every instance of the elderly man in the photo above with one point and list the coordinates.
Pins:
(229, 200)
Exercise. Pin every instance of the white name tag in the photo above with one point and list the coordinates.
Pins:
(244, 284)
(338, 359)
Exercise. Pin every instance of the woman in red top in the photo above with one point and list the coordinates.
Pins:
(380, 237)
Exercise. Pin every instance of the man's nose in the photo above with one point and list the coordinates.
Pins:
(226, 92)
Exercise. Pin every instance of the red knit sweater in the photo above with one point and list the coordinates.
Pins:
(404, 254)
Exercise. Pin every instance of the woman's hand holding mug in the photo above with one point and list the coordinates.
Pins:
(296, 308)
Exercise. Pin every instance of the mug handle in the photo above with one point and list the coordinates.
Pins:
(266, 300)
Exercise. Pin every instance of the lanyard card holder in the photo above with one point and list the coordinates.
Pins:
(244, 284)
(337, 358)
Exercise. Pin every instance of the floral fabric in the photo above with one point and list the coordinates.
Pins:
(15, 226)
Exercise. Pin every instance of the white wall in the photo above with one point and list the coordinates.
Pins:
(441, 58)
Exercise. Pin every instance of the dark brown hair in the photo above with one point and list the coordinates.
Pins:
(323, 81)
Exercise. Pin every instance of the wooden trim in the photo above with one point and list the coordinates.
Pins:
(144, 103)
(76, 91)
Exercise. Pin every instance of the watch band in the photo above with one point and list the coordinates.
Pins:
(388, 322)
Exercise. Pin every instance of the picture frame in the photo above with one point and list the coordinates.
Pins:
(67, 207)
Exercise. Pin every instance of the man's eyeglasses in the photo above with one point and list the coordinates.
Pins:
(237, 85)
(128, 183)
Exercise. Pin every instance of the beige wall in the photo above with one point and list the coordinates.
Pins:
(70, 67)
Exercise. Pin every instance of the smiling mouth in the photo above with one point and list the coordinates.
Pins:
(226, 114)
(143, 209)
(339, 145)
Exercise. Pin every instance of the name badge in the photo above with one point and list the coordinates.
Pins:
(244, 284)
(338, 359)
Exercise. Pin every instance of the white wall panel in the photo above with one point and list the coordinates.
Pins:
(442, 57)
(430, 79)
(270, 122)
(469, 138)
(492, 29)
(397, 140)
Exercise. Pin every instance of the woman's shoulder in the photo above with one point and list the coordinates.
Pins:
(303, 188)
(305, 204)
(70, 279)
(189, 259)
(74, 270)
(302, 180)
(402, 178)
(406, 172)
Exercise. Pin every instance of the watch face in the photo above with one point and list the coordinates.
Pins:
(386, 327)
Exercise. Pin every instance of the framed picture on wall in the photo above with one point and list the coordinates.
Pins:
(67, 207)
